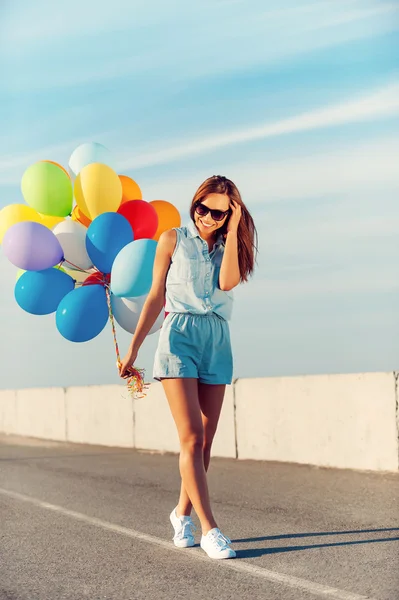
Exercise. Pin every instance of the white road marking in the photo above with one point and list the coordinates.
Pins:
(297, 583)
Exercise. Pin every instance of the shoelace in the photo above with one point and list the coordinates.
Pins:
(220, 540)
(187, 529)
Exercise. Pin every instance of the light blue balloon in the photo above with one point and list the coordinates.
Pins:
(105, 238)
(40, 292)
(83, 313)
(88, 153)
(131, 274)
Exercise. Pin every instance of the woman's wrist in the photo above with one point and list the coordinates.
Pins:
(134, 347)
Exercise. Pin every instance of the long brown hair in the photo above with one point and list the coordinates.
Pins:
(247, 235)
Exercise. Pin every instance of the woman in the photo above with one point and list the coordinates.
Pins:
(196, 269)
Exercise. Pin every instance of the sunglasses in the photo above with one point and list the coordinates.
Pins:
(217, 215)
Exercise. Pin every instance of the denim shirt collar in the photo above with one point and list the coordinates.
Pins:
(193, 232)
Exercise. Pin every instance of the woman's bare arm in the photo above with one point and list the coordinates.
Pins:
(156, 297)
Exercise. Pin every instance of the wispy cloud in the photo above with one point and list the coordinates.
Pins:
(343, 168)
(43, 21)
(357, 279)
(13, 166)
(87, 17)
(379, 104)
(317, 230)
(366, 166)
(370, 164)
(239, 44)
(359, 13)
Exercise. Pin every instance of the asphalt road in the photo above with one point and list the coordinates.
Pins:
(91, 522)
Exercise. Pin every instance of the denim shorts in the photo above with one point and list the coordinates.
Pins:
(195, 346)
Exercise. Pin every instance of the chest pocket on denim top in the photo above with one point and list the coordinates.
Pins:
(187, 263)
(188, 268)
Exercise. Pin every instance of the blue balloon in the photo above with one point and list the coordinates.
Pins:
(131, 273)
(83, 313)
(105, 238)
(40, 292)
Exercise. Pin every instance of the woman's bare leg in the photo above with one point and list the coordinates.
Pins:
(183, 398)
(211, 402)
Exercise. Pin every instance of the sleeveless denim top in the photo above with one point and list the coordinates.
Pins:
(192, 282)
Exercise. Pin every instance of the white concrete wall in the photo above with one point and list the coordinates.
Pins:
(8, 411)
(99, 414)
(33, 412)
(346, 421)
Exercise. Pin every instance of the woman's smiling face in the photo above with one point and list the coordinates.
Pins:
(206, 225)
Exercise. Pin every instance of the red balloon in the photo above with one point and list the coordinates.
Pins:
(97, 279)
(142, 216)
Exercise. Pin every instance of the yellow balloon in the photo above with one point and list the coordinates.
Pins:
(16, 213)
(78, 276)
(49, 221)
(97, 189)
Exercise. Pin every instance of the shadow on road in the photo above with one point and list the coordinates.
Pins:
(255, 552)
(316, 533)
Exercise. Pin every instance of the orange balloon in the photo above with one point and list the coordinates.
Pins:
(57, 165)
(80, 217)
(130, 189)
(168, 217)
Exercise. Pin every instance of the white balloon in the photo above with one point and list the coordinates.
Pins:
(127, 313)
(72, 237)
(86, 154)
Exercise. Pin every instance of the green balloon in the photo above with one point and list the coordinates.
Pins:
(47, 189)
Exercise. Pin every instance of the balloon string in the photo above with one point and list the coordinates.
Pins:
(64, 260)
(135, 383)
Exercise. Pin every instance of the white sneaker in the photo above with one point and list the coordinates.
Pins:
(216, 545)
(184, 527)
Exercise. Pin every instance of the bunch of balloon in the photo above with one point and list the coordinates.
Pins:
(84, 242)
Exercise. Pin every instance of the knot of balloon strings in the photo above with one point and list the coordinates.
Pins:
(135, 383)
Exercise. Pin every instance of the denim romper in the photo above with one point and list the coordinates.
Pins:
(195, 337)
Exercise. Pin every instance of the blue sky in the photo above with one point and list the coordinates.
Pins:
(297, 102)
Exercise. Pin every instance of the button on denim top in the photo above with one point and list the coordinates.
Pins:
(192, 283)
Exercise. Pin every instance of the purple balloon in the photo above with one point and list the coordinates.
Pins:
(32, 247)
